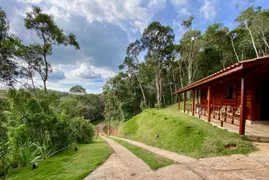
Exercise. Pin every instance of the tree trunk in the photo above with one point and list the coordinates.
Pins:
(252, 39)
(264, 40)
(45, 85)
(141, 88)
(160, 87)
(46, 63)
(171, 90)
(234, 48)
(180, 75)
(32, 80)
(175, 85)
(157, 88)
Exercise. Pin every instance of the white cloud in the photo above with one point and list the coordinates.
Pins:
(57, 12)
(30, 1)
(129, 15)
(178, 2)
(184, 11)
(87, 71)
(209, 9)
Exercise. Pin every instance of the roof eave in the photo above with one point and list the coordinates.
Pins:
(209, 79)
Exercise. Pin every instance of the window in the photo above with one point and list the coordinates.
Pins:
(229, 92)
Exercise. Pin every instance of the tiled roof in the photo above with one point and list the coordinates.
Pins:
(227, 71)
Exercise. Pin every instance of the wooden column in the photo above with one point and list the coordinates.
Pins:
(208, 103)
(193, 102)
(179, 102)
(243, 107)
(200, 93)
(184, 101)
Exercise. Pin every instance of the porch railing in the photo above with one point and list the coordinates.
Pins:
(226, 113)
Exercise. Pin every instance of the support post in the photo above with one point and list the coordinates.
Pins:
(243, 107)
(208, 103)
(193, 102)
(184, 101)
(179, 102)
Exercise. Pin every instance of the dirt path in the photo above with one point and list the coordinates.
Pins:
(124, 165)
(170, 155)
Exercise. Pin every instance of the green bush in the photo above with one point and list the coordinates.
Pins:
(5, 159)
(157, 106)
(28, 153)
(38, 125)
(84, 131)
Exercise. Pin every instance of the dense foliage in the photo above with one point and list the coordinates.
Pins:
(77, 89)
(36, 125)
(149, 81)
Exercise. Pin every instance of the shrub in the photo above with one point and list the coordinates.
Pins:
(28, 153)
(5, 162)
(157, 105)
(84, 131)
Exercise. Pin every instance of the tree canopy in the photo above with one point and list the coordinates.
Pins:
(77, 89)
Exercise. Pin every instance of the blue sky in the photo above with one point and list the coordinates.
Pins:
(104, 29)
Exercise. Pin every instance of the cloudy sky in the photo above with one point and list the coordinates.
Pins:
(104, 28)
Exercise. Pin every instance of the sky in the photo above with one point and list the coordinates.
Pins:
(104, 29)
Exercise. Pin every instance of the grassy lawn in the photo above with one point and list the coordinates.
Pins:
(67, 165)
(182, 133)
(153, 160)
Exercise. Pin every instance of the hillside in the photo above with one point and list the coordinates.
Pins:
(182, 133)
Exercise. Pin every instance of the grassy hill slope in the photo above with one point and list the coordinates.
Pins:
(182, 133)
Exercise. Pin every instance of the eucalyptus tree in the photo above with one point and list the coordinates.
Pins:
(8, 46)
(260, 27)
(157, 40)
(131, 61)
(30, 61)
(50, 34)
(246, 19)
(191, 46)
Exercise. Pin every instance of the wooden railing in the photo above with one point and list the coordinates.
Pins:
(188, 108)
(227, 114)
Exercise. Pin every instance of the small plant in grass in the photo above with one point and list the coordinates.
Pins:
(28, 153)
(157, 106)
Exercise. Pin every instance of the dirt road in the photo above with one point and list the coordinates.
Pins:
(122, 164)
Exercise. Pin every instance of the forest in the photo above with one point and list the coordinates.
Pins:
(155, 65)
(37, 123)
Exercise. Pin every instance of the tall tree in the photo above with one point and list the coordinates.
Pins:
(50, 34)
(131, 61)
(8, 46)
(77, 89)
(31, 62)
(245, 19)
(158, 40)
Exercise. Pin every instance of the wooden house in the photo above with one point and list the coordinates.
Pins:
(237, 95)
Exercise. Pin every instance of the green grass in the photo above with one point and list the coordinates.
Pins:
(67, 165)
(153, 160)
(182, 133)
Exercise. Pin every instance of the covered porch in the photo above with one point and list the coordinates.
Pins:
(235, 98)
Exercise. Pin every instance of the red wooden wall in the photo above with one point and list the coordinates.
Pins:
(218, 93)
